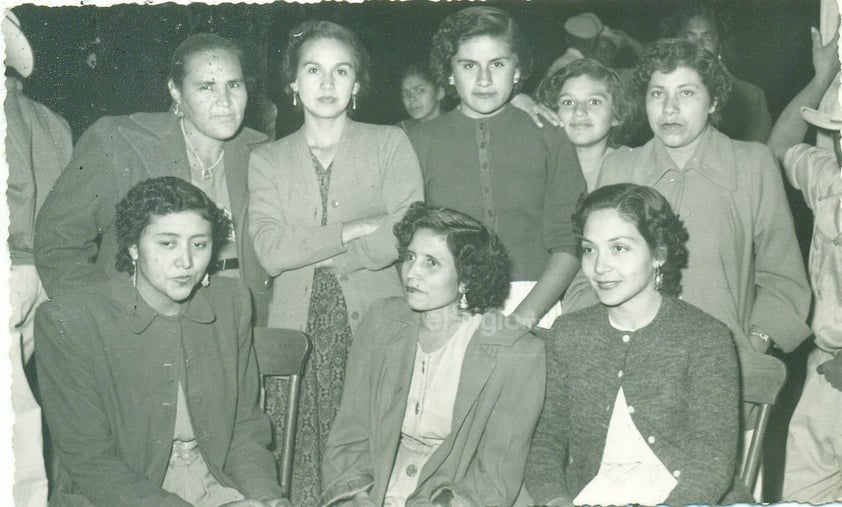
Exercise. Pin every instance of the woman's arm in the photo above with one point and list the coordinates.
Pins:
(560, 270)
(249, 463)
(710, 443)
(495, 474)
(347, 466)
(401, 185)
(77, 419)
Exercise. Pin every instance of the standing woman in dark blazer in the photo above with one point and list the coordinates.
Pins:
(322, 204)
(201, 141)
(149, 381)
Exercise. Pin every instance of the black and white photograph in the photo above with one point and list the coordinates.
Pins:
(457, 254)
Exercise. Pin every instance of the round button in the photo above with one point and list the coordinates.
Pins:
(651, 439)
(343, 278)
(620, 374)
(334, 203)
(355, 315)
(631, 409)
(267, 283)
(626, 338)
(676, 474)
(411, 470)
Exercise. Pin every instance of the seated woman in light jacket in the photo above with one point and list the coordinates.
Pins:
(149, 381)
(442, 392)
(643, 389)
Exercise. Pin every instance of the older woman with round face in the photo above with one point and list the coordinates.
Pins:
(442, 392)
(643, 388)
(148, 380)
(200, 140)
(322, 204)
(745, 266)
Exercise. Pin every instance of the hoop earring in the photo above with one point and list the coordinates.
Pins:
(463, 301)
(294, 98)
(134, 273)
(205, 280)
(659, 277)
(177, 110)
(354, 102)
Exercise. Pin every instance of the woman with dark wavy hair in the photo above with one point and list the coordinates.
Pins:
(149, 381)
(642, 398)
(442, 392)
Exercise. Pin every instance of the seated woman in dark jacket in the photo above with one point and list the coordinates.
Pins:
(442, 393)
(149, 382)
(643, 389)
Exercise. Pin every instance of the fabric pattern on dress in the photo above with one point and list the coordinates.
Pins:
(321, 391)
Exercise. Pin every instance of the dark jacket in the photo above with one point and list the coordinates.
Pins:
(75, 241)
(108, 370)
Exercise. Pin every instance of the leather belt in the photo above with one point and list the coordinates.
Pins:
(223, 264)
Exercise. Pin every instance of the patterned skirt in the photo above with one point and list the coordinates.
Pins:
(321, 386)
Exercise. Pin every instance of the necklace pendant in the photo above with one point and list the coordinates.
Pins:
(207, 174)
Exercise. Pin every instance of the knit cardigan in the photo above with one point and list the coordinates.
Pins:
(680, 378)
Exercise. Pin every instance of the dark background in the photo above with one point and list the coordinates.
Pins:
(95, 61)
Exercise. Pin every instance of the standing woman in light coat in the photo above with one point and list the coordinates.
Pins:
(322, 205)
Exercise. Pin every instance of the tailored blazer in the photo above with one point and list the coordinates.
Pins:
(498, 402)
(75, 239)
(109, 368)
(375, 173)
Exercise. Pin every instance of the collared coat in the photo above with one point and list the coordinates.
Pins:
(745, 266)
(75, 239)
(375, 173)
(499, 399)
(109, 368)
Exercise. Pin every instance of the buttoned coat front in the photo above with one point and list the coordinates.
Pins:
(499, 399)
(109, 368)
(75, 240)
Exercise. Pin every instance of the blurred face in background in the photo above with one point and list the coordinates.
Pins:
(702, 30)
(421, 97)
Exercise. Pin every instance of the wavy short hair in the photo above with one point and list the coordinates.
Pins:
(475, 22)
(666, 55)
(650, 212)
(549, 89)
(198, 43)
(482, 262)
(159, 197)
(314, 29)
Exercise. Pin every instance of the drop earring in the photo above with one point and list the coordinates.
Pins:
(176, 110)
(354, 102)
(463, 301)
(205, 280)
(659, 277)
(451, 81)
(134, 273)
(294, 98)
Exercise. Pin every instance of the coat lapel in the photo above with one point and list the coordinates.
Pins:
(165, 155)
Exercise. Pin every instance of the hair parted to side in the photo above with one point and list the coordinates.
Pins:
(549, 89)
(159, 197)
(314, 29)
(198, 43)
(666, 55)
(482, 263)
(650, 212)
(475, 22)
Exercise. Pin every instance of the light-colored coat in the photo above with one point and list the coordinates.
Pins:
(375, 172)
(499, 399)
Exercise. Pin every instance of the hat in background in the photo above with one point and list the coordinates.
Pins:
(584, 26)
(18, 51)
(828, 116)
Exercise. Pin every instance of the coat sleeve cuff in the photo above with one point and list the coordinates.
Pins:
(345, 488)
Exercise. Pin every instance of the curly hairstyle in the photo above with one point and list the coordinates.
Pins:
(198, 43)
(666, 55)
(482, 263)
(475, 22)
(158, 197)
(549, 89)
(314, 29)
(650, 212)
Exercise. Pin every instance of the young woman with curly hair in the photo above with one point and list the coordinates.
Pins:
(642, 401)
(486, 158)
(745, 267)
(442, 392)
